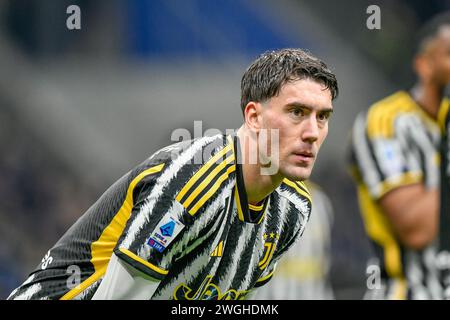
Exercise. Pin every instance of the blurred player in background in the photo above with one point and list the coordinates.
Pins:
(199, 219)
(303, 273)
(395, 161)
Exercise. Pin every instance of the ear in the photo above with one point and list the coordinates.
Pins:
(422, 66)
(252, 116)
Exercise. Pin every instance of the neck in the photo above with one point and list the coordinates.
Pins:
(429, 97)
(257, 186)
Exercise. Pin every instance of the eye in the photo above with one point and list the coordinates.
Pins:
(297, 112)
(323, 116)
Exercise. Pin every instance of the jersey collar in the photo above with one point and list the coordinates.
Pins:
(246, 212)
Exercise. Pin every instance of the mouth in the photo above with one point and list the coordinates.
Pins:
(304, 156)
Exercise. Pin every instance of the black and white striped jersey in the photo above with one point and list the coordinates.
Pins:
(304, 272)
(395, 143)
(182, 218)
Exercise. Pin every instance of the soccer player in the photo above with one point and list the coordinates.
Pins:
(395, 157)
(200, 219)
(303, 273)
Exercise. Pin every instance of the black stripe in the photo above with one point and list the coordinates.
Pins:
(139, 266)
(244, 260)
(444, 227)
(232, 234)
(301, 187)
(179, 268)
(248, 217)
(261, 283)
(254, 214)
(374, 158)
(205, 174)
(379, 252)
(209, 186)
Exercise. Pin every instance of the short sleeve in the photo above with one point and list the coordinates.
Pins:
(386, 161)
(153, 229)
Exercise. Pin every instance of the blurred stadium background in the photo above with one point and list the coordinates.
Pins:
(80, 108)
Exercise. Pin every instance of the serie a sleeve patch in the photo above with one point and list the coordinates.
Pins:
(165, 232)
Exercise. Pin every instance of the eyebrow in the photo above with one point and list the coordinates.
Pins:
(302, 105)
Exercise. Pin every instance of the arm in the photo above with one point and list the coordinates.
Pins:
(127, 275)
(413, 213)
(122, 281)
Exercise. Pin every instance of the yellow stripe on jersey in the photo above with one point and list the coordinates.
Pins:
(218, 250)
(381, 116)
(238, 203)
(405, 179)
(301, 191)
(262, 216)
(442, 115)
(379, 230)
(265, 277)
(202, 171)
(212, 190)
(401, 105)
(256, 208)
(399, 290)
(374, 126)
(102, 249)
(207, 180)
(303, 185)
(142, 261)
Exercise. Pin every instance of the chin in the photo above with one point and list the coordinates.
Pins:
(298, 175)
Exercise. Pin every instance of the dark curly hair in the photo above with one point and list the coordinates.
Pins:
(264, 78)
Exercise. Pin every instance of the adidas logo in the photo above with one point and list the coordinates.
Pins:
(218, 250)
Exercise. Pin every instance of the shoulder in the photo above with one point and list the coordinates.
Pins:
(211, 164)
(297, 193)
(176, 168)
(186, 155)
(187, 151)
(382, 115)
(293, 205)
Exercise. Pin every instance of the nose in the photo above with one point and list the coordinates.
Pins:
(310, 130)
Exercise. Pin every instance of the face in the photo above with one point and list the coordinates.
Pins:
(437, 56)
(300, 113)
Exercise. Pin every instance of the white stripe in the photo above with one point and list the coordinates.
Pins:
(144, 250)
(362, 154)
(433, 284)
(27, 294)
(82, 295)
(412, 155)
(429, 149)
(414, 275)
(192, 270)
(300, 223)
(198, 226)
(255, 258)
(300, 204)
(203, 220)
(145, 212)
(30, 278)
(237, 255)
